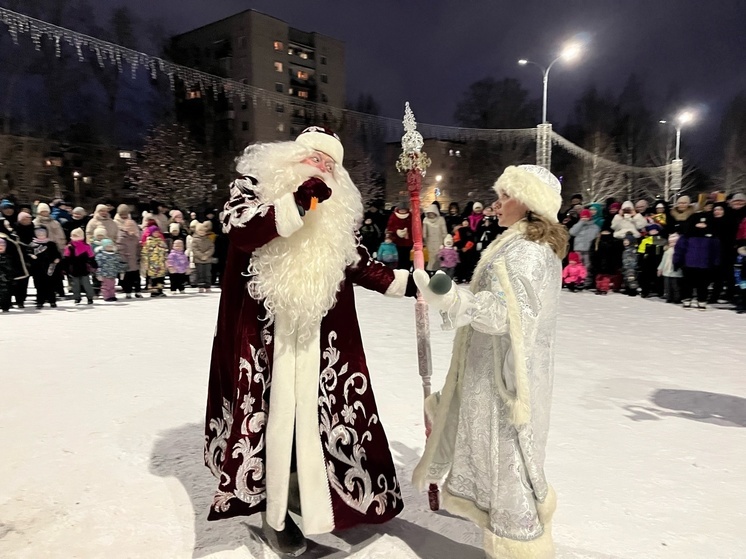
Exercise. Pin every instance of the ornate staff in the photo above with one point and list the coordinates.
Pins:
(414, 162)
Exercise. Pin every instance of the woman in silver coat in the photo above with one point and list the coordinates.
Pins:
(490, 422)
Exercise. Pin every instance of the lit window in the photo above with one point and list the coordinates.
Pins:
(280, 108)
(278, 66)
(244, 125)
(458, 153)
(324, 78)
(290, 90)
(301, 75)
(450, 152)
(281, 127)
(195, 94)
(290, 51)
(323, 59)
(279, 87)
(303, 55)
(279, 46)
(303, 94)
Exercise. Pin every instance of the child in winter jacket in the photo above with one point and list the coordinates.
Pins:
(651, 252)
(153, 260)
(606, 260)
(178, 267)
(44, 259)
(110, 265)
(627, 222)
(671, 277)
(99, 234)
(203, 248)
(574, 274)
(629, 266)
(78, 263)
(387, 252)
(128, 246)
(448, 257)
(370, 236)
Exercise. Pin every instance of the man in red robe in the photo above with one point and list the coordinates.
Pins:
(290, 408)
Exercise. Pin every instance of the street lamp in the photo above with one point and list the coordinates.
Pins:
(680, 120)
(568, 54)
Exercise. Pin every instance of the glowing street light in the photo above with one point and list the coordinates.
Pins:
(570, 52)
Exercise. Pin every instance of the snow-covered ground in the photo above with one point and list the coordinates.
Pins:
(101, 434)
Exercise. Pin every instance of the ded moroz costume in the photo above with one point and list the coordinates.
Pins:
(289, 385)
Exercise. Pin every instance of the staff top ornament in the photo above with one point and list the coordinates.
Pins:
(412, 157)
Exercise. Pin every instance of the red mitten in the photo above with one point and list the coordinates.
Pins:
(312, 188)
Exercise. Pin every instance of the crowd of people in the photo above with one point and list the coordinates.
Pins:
(689, 253)
(71, 254)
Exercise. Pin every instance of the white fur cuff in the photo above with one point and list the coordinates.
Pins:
(398, 287)
(287, 218)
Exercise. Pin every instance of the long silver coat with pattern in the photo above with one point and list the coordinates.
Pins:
(491, 420)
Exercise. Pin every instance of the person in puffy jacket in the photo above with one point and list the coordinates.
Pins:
(651, 252)
(698, 255)
(671, 277)
(202, 250)
(628, 222)
(78, 264)
(448, 257)
(387, 252)
(584, 233)
(110, 265)
(178, 267)
(575, 274)
(153, 260)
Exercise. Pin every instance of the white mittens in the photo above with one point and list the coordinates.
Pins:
(439, 302)
(402, 233)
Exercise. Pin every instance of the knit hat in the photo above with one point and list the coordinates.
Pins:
(324, 140)
(79, 211)
(477, 206)
(573, 257)
(585, 214)
(653, 227)
(193, 224)
(6, 204)
(100, 231)
(175, 213)
(178, 243)
(77, 234)
(43, 208)
(628, 205)
(123, 210)
(101, 207)
(685, 199)
(174, 228)
(739, 197)
(41, 228)
(107, 243)
(535, 187)
(448, 241)
(23, 215)
(615, 206)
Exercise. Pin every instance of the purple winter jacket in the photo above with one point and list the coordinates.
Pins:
(697, 252)
(448, 257)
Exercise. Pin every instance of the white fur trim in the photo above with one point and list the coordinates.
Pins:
(398, 287)
(321, 141)
(287, 218)
(542, 547)
(294, 408)
(519, 404)
(528, 188)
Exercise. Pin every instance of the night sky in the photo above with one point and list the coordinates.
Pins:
(429, 51)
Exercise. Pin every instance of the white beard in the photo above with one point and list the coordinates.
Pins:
(300, 276)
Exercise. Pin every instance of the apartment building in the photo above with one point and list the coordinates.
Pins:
(305, 69)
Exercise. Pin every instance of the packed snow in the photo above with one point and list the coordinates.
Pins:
(101, 433)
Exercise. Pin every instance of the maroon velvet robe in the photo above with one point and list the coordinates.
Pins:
(360, 479)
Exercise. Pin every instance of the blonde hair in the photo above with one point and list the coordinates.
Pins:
(539, 229)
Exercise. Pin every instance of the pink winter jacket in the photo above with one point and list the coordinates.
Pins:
(574, 273)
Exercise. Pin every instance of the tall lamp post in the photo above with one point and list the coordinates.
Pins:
(677, 165)
(76, 183)
(544, 130)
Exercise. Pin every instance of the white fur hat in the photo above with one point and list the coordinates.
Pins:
(322, 139)
(448, 241)
(534, 186)
(477, 206)
(628, 205)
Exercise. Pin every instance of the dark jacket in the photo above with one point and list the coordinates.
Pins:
(43, 255)
(697, 252)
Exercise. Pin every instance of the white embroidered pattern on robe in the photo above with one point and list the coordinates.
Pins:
(343, 443)
(252, 464)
